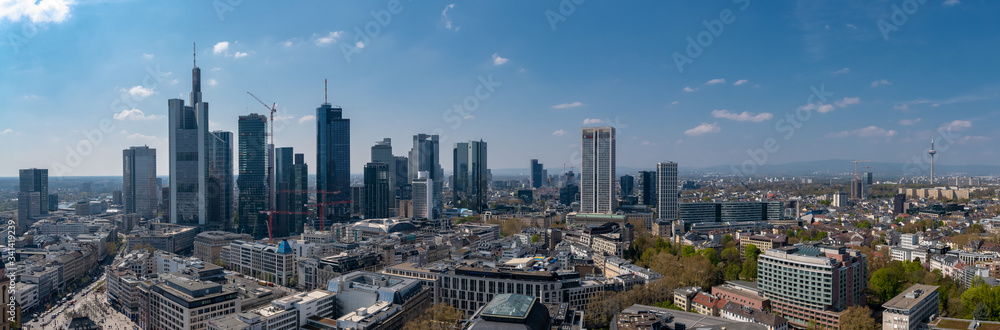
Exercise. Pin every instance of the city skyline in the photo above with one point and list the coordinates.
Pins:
(738, 93)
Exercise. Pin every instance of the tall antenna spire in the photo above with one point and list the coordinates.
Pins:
(194, 53)
(324, 92)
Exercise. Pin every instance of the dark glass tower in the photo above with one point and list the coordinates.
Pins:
(536, 174)
(252, 181)
(377, 194)
(139, 181)
(220, 181)
(33, 196)
(470, 174)
(333, 165)
(291, 193)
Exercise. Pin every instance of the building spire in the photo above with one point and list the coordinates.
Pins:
(194, 53)
(324, 93)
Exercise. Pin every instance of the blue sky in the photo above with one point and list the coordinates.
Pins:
(554, 67)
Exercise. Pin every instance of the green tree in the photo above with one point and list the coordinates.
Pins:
(731, 255)
(534, 239)
(751, 252)
(711, 255)
(864, 224)
(688, 251)
(980, 313)
(885, 283)
(727, 239)
(858, 318)
(749, 272)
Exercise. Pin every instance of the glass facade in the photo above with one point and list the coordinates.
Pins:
(333, 161)
(252, 180)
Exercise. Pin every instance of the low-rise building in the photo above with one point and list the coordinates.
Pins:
(684, 296)
(736, 312)
(910, 309)
(267, 262)
(208, 245)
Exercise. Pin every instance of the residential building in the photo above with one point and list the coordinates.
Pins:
(763, 242)
(597, 182)
(684, 296)
(740, 313)
(911, 309)
(139, 181)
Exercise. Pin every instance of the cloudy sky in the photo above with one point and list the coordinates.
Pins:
(696, 82)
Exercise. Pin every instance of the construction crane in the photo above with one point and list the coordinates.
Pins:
(853, 183)
(270, 221)
(320, 206)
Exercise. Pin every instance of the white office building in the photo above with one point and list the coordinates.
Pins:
(597, 182)
(666, 177)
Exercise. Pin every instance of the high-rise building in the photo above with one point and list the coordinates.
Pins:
(333, 165)
(423, 196)
(382, 153)
(377, 194)
(402, 175)
(291, 192)
(220, 181)
(139, 181)
(188, 152)
(627, 184)
(252, 180)
(358, 199)
(646, 188)
(470, 174)
(32, 197)
(666, 185)
(425, 157)
(597, 182)
(537, 178)
(812, 282)
(898, 204)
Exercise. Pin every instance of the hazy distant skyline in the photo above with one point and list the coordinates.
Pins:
(889, 88)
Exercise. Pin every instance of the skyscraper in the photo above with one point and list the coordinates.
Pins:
(898, 204)
(220, 181)
(647, 188)
(470, 174)
(377, 195)
(627, 185)
(402, 175)
(32, 197)
(425, 157)
(423, 196)
(139, 193)
(333, 164)
(382, 153)
(597, 180)
(537, 178)
(666, 207)
(291, 192)
(189, 139)
(252, 180)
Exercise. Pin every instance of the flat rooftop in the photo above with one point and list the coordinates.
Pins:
(908, 298)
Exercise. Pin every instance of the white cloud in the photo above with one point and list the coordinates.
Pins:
(212, 82)
(447, 21)
(134, 114)
(220, 48)
(37, 11)
(867, 132)
(138, 92)
(716, 81)
(908, 122)
(704, 128)
(175, 81)
(740, 82)
(852, 26)
(688, 89)
(287, 43)
(647, 143)
(825, 108)
(591, 121)
(821, 108)
(744, 116)
(950, 3)
(147, 56)
(497, 60)
(881, 82)
(841, 71)
(360, 44)
(568, 105)
(957, 125)
(847, 101)
(138, 136)
(30, 97)
(7, 131)
(901, 107)
(239, 54)
(559, 132)
(306, 119)
(328, 39)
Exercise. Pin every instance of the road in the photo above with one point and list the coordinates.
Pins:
(107, 317)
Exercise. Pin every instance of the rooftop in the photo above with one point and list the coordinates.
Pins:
(909, 298)
(509, 305)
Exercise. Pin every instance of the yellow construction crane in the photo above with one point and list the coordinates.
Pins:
(855, 182)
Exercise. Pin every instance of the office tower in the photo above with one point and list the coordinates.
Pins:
(568, 194)
(220, 181)
(33, 196)
(597, 182)
(627, 185)
(139, 181)
(116, 198)
(358, 200)
(291, 192)
(377, 195)
(333, 165)
(812, 282)
(402, 175)
(423, 196)
(382, 153)
(53, 202)
(666, 185)
(898, 204)
(569, 178)
(252, 180)
(470, 174)
(425, 157)
(536, 174)
(188, 152)
(647, 188)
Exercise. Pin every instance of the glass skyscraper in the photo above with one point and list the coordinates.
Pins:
(188, 151)
(470, 174)
(333, 164)
(32, 197)
(425, 157)
(597, 182)
(252, 180)
(139, 191)
(666, 207)
(377, 195)
(220, 181)
(291, 192)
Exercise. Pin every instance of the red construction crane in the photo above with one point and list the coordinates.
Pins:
(320, 206)
(270, 221)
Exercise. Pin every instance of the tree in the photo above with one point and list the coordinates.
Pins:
(857, 318)
(751, 252)
(731, 255)
(980, 312)
(534, 239)
(711, 255)
(111, 248)
(885, 283)
(687, 251)
(864, 224)
(749, 272)
(727, 239)
(439, 317)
